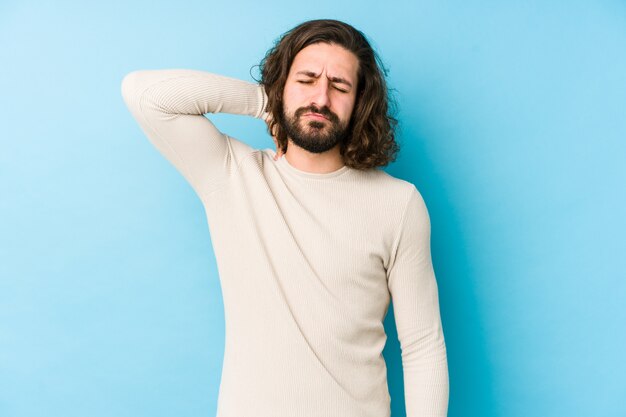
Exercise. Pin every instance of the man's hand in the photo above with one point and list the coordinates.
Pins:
(279, 152)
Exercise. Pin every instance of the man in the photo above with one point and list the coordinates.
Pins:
(311, 241)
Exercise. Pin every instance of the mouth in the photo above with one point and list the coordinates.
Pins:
(316, 116)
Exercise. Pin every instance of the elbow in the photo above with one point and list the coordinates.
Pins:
(425, 350)
(130, 84)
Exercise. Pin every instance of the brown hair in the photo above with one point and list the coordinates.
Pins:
(370, 141)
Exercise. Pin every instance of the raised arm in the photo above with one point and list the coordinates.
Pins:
(413, 288)
(169, 106)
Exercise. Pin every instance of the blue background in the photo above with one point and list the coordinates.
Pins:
(513, 127)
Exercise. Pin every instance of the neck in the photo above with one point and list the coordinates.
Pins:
(319, 163)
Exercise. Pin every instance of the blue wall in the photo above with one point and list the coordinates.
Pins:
(513, 120)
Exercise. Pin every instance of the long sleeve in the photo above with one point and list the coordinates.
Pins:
(413, 288)
(169, 106)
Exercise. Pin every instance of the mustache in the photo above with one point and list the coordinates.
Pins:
(324, 111)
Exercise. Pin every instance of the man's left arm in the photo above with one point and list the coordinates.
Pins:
(413, 288)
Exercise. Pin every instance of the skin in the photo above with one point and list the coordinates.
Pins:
(321, 75)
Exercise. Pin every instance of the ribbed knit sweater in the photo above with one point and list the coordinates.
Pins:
(308, 262)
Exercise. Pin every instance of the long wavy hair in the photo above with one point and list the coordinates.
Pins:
(370, 140)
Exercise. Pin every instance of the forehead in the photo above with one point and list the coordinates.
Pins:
(335, 59)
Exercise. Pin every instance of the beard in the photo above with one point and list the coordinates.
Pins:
(313, 135)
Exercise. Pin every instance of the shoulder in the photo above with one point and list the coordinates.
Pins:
(407, 198)
(396, 188)
(390, 197)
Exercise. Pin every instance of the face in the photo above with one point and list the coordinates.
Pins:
(319, 96)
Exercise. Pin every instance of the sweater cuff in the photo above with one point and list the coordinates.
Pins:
(262, 96)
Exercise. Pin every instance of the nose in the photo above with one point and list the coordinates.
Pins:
(320, 95)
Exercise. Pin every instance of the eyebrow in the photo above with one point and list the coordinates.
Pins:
(333, 79)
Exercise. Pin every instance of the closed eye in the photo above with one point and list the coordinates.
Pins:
(309, 82)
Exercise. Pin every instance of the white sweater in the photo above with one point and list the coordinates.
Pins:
(307, 262)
